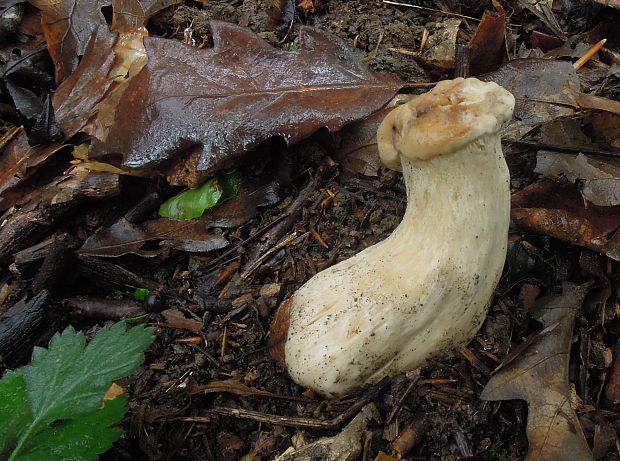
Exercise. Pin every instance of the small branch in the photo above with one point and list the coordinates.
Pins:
(561, 149)
(291, 420)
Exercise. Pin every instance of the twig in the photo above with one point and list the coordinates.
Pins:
(234, 249)
(399, 403)
(291, 420)
(430, 9)
(561, 149)
(588, 54)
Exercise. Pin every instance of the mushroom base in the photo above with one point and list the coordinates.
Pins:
(423, 290)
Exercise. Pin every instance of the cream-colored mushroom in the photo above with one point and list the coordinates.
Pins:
(426, 288)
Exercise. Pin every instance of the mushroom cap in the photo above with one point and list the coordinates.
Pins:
(451, 115)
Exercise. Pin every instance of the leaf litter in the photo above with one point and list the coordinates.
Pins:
(145, 110)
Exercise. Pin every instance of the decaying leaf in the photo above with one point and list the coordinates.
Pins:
(440, 51)
(194, 97)
(540, 88)
(17, 161)
(487, 44)
(67, 26)
(598, 178)
(125, 237)
(540, 377)
(345, 446)
(557, 210)
(176, 319)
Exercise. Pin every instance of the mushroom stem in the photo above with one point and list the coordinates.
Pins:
(424, 289)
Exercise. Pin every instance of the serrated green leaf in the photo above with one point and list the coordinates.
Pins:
(67, 381)
(82, 438)
(192, 203)
(15, 414)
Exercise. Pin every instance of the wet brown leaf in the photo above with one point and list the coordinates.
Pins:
(194, 97)
(487, 44)
(540, 88)
(540, 377)
(67, 26)
(17, 161)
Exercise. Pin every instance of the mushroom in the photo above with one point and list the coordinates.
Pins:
(425, 289)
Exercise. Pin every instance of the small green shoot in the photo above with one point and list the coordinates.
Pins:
(192, 203)
(294, 46)
(53, 408)
(140, 294)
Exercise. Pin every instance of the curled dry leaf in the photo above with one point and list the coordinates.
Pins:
(125, 237)
(487, 46)
(540, 377)
(194, 97)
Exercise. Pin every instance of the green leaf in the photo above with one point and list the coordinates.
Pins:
(140, 293)
(82, 438)
(64, 387)
(15, 414)
(193, 203)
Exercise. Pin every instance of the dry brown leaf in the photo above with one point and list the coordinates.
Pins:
(440, 50)
(558, 210)
(176, 319)
(487, 46)
(194, 97)
(597, 178)
(540, 377)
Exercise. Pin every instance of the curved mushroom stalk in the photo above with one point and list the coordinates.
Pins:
(424, 289)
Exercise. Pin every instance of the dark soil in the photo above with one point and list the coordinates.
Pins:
(349, 213)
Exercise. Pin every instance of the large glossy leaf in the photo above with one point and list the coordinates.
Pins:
(232, 97)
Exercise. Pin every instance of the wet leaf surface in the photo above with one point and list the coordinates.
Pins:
(193, 97)
(68, 25)
(17, 161)
(540, 90)
(540, 377)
